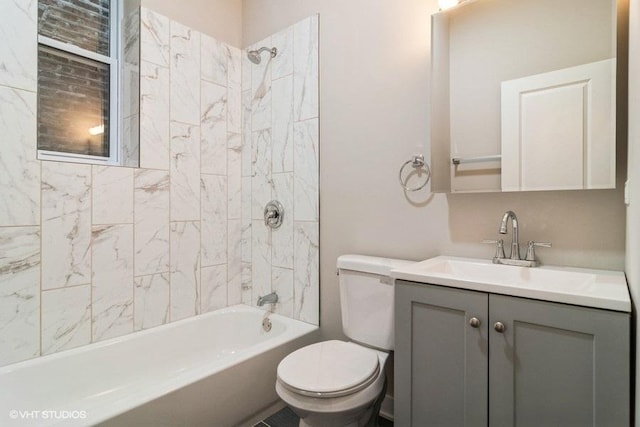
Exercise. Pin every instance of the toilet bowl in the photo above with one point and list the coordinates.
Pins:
(333, 383)
(342, 383)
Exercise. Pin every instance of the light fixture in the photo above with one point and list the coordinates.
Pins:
(447, 4)
(96, 130)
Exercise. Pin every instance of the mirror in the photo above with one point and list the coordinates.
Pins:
(523, 96)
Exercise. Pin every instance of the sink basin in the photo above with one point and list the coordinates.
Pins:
(475, 270)
(591, 288)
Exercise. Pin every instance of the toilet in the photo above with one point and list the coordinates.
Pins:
(337, 383)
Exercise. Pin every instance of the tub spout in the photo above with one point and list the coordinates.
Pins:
(271, 298)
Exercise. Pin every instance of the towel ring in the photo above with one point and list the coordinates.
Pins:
(417, 162)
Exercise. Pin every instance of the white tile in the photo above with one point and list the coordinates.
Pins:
(155, 37)
(260, 261)
(235, 68)
(234, 118)
(19, 294)
(234, 181)
(234, 265)
(185, 172)
(234, 141)
(112, 195)
(282, 284)
(282, 64)
(282, 129)
(19, 169)
(246, 219)
(306, 272)
(130, 63)
(130, 148)
(151, 297)
(215, 60)
(66, 318)
(112, 284)
(214, 219)
(130, 96)
(305, 177)
(213, 119)
(246, 70)
(261, 172)
(151, 222)
(261, 91)
(185, 74)
(246, 133)
(305, 69)
(282, 237)
(19, 48)
(66, 224)
(246, 283)
(185, 269)
(154, 116)
(246, 242)
(214, 288)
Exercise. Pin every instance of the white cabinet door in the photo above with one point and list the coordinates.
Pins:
(558, 129)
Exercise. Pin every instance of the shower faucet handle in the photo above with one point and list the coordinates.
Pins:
(273, 214)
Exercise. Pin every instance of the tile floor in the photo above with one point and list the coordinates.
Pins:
(286, 418)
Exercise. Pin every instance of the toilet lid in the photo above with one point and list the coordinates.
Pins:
(329, 367)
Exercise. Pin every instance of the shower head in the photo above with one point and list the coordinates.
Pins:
(254, 55)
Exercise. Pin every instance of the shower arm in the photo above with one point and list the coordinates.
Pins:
(273, 51)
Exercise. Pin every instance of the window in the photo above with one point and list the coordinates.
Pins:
(78, 47)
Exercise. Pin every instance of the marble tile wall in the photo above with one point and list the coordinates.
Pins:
(280, 160)
(89, 252)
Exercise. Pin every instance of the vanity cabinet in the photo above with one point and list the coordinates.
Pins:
(469, 358)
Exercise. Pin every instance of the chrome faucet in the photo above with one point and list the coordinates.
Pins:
(515, 244)
(514, 258)
(271, 298)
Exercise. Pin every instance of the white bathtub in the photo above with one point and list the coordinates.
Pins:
(217, 369)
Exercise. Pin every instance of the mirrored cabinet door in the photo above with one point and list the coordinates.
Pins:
(524, 96)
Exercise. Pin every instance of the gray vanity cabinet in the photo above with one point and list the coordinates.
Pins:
(441, 360)
(525, 362)
(557, 365)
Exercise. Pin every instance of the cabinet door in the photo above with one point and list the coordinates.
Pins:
(557, 365)
(440, 360)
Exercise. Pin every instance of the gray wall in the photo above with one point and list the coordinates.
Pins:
(374, 109)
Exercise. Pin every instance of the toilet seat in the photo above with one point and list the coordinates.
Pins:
(329, 369)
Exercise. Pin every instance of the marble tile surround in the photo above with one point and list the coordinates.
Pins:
(280, 160)
(89, 253)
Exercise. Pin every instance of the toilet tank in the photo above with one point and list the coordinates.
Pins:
(367, 299)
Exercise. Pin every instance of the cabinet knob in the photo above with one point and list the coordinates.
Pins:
(499, 327)
(474, 322)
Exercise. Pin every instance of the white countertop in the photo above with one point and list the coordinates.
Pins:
(603, 289)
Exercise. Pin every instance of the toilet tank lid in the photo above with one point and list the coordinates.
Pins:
(370, 264)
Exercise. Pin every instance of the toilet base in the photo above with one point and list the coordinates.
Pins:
(357, 417)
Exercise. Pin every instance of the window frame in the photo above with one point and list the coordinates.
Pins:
(113, 61)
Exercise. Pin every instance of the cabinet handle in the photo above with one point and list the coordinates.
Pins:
(499, 327)
(474, 322)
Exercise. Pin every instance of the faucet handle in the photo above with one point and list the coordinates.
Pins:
(531, 252)
(499, 248)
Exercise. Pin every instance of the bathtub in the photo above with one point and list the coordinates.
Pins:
(216, 369)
